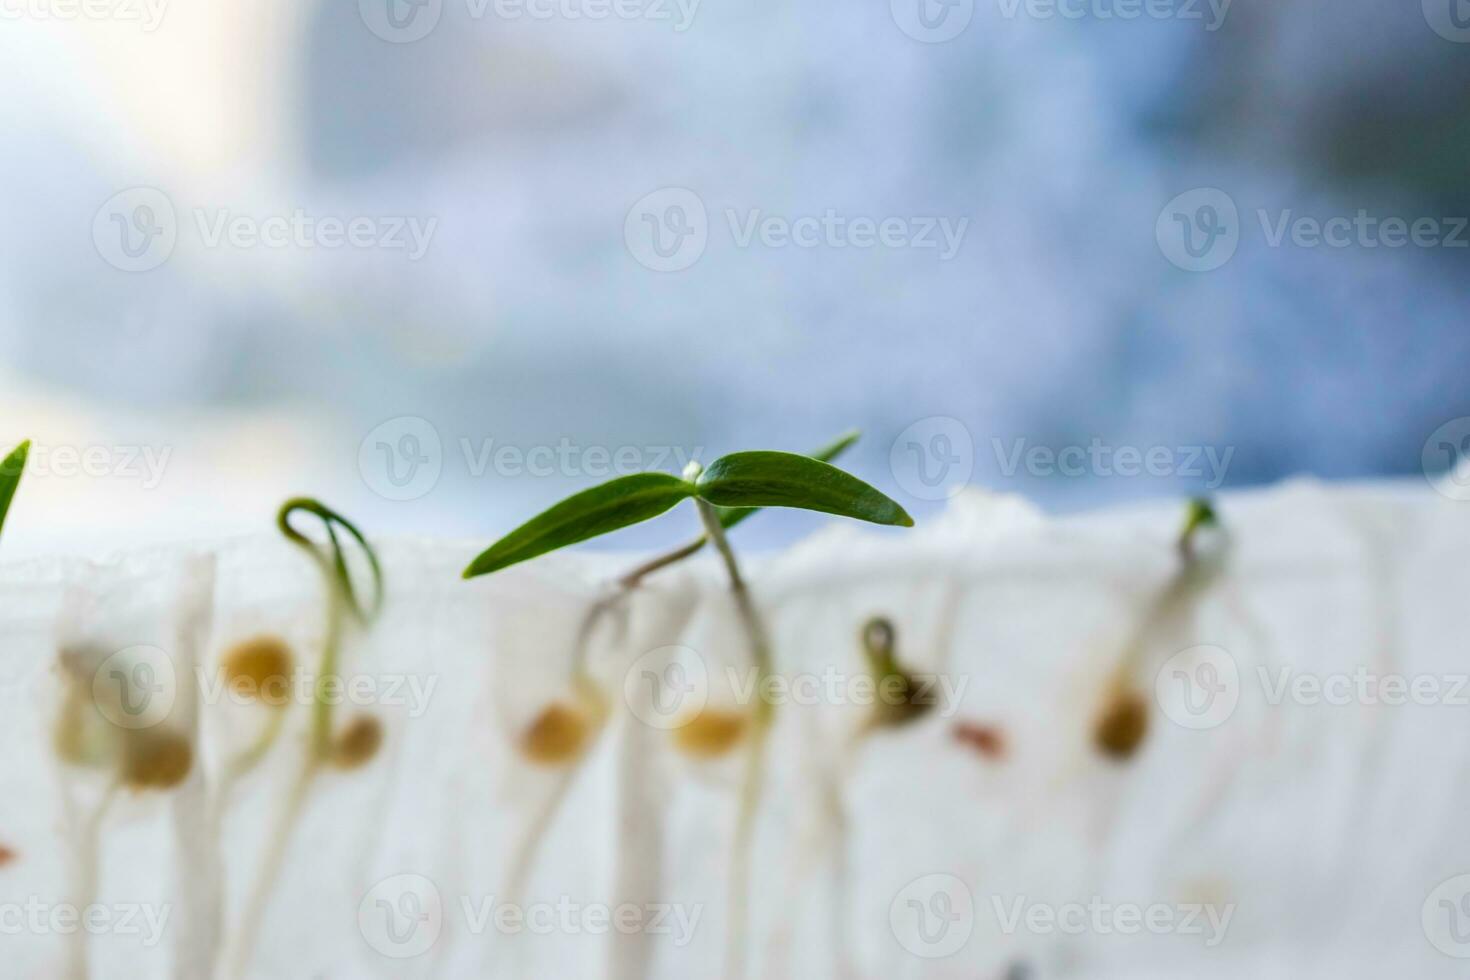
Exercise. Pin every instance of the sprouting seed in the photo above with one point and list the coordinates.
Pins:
(557, 735)
(1122, 725)
(358, 743)
(900, 698)
(259, 668)
(155, 758)
(711, 733)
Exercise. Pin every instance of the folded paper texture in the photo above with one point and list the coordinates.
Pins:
(1317, 830)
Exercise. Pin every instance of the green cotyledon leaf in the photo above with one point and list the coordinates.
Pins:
(730, 516)
(10, 471)
(772, 479)
(610, 506)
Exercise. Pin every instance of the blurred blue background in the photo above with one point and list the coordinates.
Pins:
(555, 162)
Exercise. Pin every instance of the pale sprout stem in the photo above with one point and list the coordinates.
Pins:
(755, 760)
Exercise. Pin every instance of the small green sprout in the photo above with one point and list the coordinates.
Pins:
(342, 595)
(10, 472)
(724, 493)
(359, 740)
(900, 698)
(1123, 722)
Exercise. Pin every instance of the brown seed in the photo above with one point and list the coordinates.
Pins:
(557, 735)
(7, 855)
(710, 734)
(358, 743)
(988, 740)
(259, 668)
(1122, 725)
(155, 759)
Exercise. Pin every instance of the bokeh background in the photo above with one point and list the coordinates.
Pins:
(180, 379)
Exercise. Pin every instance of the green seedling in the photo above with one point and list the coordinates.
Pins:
(10, 472)
(563, 732)
(1122, 724)
(362, 736)
(724, 494)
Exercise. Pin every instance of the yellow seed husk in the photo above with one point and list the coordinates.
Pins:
(260, 668)
(711, 733)
(557, 735)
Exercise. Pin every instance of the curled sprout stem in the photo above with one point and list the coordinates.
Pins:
(342, 595)
(342, 598)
